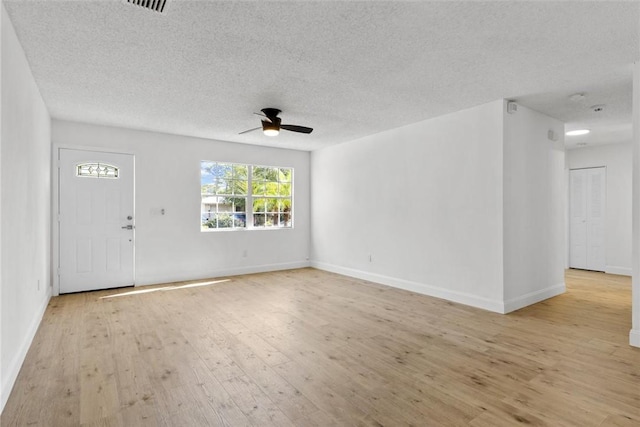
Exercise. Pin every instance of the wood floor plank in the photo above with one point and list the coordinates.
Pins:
(258, 408)
(310, 348)
(309, 380)
(620, 421)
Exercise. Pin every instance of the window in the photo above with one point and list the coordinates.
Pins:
(245, 196)
(271, 191)
(96, 170)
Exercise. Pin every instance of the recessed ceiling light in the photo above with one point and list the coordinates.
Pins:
(577, 132)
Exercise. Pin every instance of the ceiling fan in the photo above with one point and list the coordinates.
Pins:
(271, 123)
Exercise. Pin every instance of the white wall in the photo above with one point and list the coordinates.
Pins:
(617, 158)
(25, 219)
(534, 208)
(171, 247)
(3, 399)
(424, 200)
(634, 334)
(468, 207)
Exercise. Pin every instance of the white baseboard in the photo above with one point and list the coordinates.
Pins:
(11, 374)
(187, 276)
(433, 291)
(534, 297)
(634, 337)
(614, 269)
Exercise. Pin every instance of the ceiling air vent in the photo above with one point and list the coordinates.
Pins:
(156, 5)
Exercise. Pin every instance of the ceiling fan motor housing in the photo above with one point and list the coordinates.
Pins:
(271, 113)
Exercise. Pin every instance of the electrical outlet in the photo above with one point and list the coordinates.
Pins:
(244, 253)
(38, 284)
(370, 258)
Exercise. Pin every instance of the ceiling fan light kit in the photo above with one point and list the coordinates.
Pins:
(270, 129)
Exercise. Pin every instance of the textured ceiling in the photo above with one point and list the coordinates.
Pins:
(348, 69)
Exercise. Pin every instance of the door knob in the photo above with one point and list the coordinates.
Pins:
(127, 227)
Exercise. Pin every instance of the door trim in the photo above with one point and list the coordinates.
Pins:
(55, 206)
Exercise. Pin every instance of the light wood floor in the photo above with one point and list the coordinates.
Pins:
(309, 348)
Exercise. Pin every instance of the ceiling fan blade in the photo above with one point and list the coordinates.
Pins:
(263, 116)
(296, 128)
(250, 130)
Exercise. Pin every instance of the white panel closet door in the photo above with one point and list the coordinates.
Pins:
(587, 215)
(578, 221)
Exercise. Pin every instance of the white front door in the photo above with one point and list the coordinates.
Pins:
(96, 220)
(587, 216)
